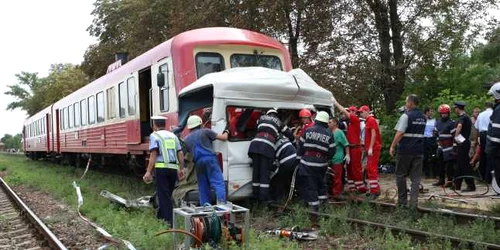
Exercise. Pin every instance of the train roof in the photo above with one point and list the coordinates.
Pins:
(181, 42)
(38, 115)
(262, 84)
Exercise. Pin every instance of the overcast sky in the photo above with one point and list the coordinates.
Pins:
(36, 34)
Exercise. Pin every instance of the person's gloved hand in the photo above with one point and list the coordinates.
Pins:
(347, 159)
(370, 151)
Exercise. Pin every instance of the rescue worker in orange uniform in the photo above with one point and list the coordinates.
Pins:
(307, 122)
(373, 145)
(354, 169)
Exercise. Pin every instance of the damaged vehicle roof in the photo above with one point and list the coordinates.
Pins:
(258, 83)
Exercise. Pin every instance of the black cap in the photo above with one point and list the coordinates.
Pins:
(459, 104)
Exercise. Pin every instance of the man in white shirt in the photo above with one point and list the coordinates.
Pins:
(430, 143)
(482, 122)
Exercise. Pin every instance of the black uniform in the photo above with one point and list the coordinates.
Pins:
(285, 163)
(493, 141)
(445, 130)
(316, 146)
(463, 161)
(262, 150)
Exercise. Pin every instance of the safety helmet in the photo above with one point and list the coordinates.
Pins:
(272, 111)
(322, 116)
(194, 121)
(305, 113)
(495, 91)
(444, 108)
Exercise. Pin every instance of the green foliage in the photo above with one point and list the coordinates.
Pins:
(11, 141)
(34, 93)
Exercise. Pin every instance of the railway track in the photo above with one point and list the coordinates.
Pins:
(20, 228)
(416, 235)
(461, 217)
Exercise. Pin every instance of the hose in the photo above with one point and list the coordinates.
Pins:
(469, 196)
(180, 231)
(292, 187)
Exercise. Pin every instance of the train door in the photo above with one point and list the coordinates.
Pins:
(144, 102)
(57, 147)
(163, 92)
(129, 93)
(47, 132)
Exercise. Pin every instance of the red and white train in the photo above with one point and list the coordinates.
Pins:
(109, 119)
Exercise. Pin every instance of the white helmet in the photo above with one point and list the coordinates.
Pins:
(322, 116)
(271, 111)
(495, 90)
(194, 121)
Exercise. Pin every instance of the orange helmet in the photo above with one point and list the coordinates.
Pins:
(305, 113)
(444, 108)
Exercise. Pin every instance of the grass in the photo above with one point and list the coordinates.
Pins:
(135, 225)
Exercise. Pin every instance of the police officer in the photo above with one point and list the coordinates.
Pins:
(462, 135)
(445, 127)
(167, 159)
(493, 137)
(316, 147)
(285, 163)
(410, 137)
(208, 171)
(262, 150)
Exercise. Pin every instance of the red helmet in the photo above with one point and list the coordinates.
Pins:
(305, 113)
(444, 108)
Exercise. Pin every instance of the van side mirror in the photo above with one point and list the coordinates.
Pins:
(160, 80)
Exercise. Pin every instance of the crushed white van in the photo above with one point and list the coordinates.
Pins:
(237, 90)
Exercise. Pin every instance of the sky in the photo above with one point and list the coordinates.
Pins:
(36, 34)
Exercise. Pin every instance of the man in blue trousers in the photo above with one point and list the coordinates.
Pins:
(167, 159)
(208, 171)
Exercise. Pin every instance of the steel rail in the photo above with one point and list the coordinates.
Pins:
(417, 235)
(461, 217)
(52, 241)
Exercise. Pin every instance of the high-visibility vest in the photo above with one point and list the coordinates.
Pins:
(169, 153)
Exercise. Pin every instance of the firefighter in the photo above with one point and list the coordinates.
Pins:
(373, 145)
(262, 150)
(445, 127)
(316, 147)
(167, 158)
(306, 118)
(354, 168)
(410, 137)
(462, 135)
(284, 163)
(208, 171)
(493, 137)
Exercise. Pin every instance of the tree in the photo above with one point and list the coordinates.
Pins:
(34, 94)
(11, 141)
(26, 92)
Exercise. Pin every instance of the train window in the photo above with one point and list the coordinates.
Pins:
(164, 101)
(208, 63)
(71, 116)
(43, 126)
(63, 119)
(131, 95)
(100, 106)
(83, 107)
(76, 108)
(250, 60)
(122, 92)
(91, 103)
(66, 117)
(111, 105)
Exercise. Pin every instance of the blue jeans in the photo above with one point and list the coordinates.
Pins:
(209, 176)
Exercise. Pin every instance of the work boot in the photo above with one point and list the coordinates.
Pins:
(438, 183)
(448, 184)
(469, 189)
